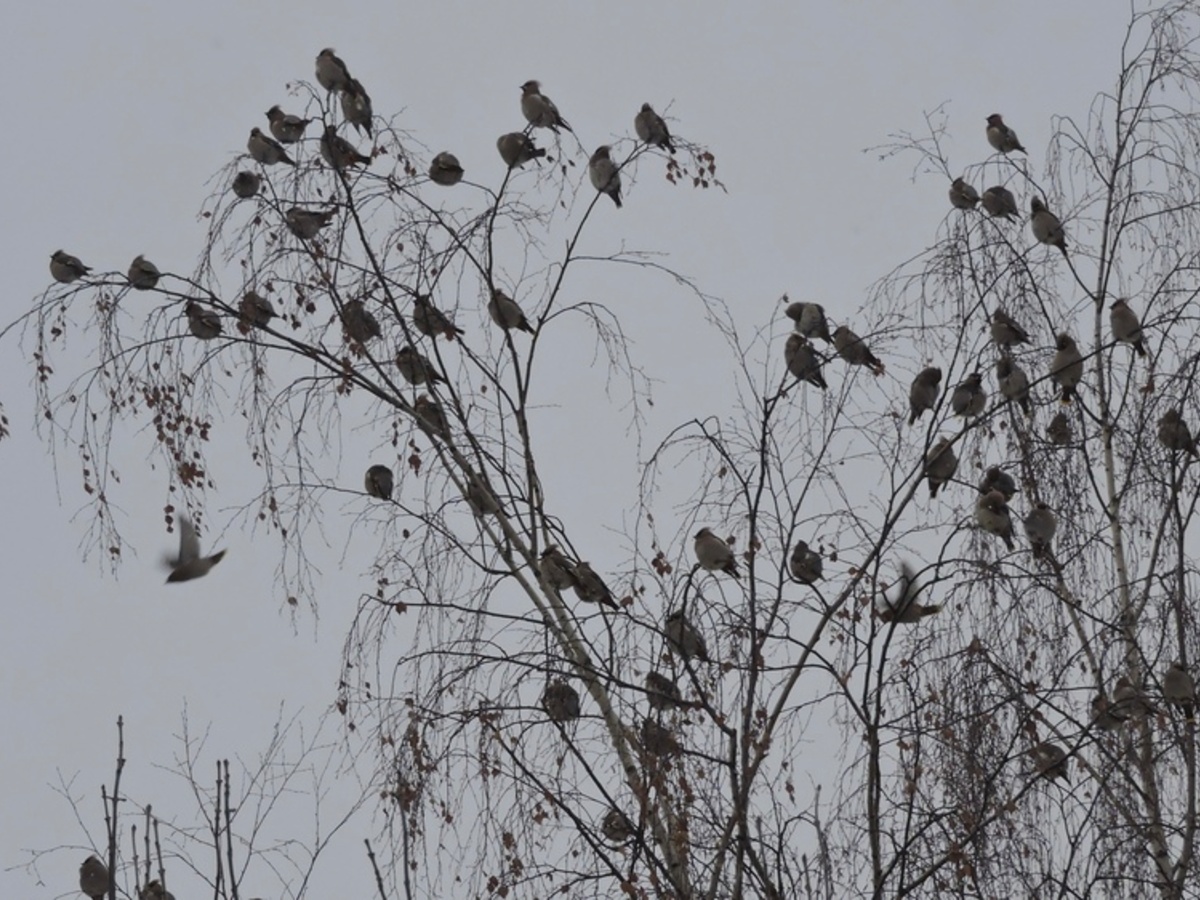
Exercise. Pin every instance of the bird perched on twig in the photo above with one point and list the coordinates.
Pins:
(356, 107)
(1040, 526)
(332, 73)
(806, 564)
(445, 169)
(962, 195)
(143, 274)
(651, 129)
(539, 110)
(517, 148)
(617, 827)
(996, 479)
(203, 323)
(1066, 368)
(379, 482)
(714, 554)
(854, 350)
(1179, 689)
(506, 313)
(1006, 332)
(431, 418)
(969, 397)
(358, 322)
(1126, 327)
(1000, 136)
(802, 360)
(658, 740)
(810, 320)
(556, 569)
(1059, 430)
(415, 368)
(940, 465)
(307, 223)
(288, 129)
(923, 392)
(65, 268)
(1046, 226)
(683, 638)
(999, 202)
(1014, 384)
(256, 310)
(246, 184)
(663, 693)
(590, 587)
(604, 174)
(189, 563)
(93, 878)
(431, 321)
(1051, 761)
(993, 516)
(338, 152)
(1174, 433)
(266, 150)
(561, 702)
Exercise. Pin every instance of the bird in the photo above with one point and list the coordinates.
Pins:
(651, 129)
(287, 128)
(306, 223)
(617, 827)
(999, 202)
(506, 313)
(1040, 526)
(940, 465)
(1066, 369)
(556, 569)
(65, 268)
(1174, 433)
(256, 310)
(683, 638)
(561, 702)
(806, 564)
(1125, 325)
(379, 482)
(1179, 689)
(1102, 716)
(962, 195)
(155, 891)
(1047, 229)
(1051, 761)
(539, 110)
(803, 361)
(658, 740)
(993, 516)
(605, 176)
(810, 320)
(1014, 384)
(1059, 430)
(190, 564)
(906, 610)
(1001, 137)
(338, 152)
(143, 274)
(923, 393)
(431, 321)
(714, 554)
(853, 349)
(356, 107)
(266, 150)
(332, 73)
(445, 170)
(996, 479)
(415, 368)
(663, 693)
(431, 418)
(203, 323)
(1129, 702)
(590, 587)
(358, 322)
(969, 397)
(93, 878)
(517, 148)
(1005, 330)
(480, 497)
(246, 184)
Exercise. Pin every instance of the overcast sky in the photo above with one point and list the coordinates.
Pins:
(120, 112)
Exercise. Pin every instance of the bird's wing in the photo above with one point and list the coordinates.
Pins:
(189, 544)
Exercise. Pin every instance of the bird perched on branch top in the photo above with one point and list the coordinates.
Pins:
(810, 320)
(713, 554)
(651, 129)
(1000, 136)
(539, 110)
(332, 73)
(189, 563)
(604, 174)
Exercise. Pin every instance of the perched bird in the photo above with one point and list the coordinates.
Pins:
(853, 349)
(1000, 136)
(969, 397)
(358, 322)
(256, 310)
(246, 184)
(431, 418)
(1125, 325)
(651, 129)
(1014, 383)
(415, 368)
(445, 170)
(266, 150)
(332, 73)
(810, 320)
(683, 638)
(1059, 430)
(1051, 761)
(190, 564)
(1102, 717)
(1040, 526)
(923, 393)
(714, 554)
(1129, 702)
(940, 465)
(306, 223)
(996, 479)
(539, 110)
(561, 702)
(556, 569)
(992, 515)
(658, 740)
(431, 321)
(1046, 226)
(338, 152)
(605, 176)
(287, 128)
(999, 202)
(65, 268)
(379, 482)
(1066, 369)
(506, 313)
(143, 274)
(617, 827)
(480, 497)
(906, 610)
(590, 587)
(662, 692)
(155, 891)
(962, 195)
(806, 564)
(93, 878)
(356, 107)
(203, 323)
(1179, 689)
(1005, 330)
(517, 148)
(1174, 434)
(803, 361)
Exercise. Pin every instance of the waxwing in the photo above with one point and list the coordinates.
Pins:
(445, 170)
(683, 638)
(1005, 330)
(651, 129)
(93, 878)
(806, 564)
(332, 73)
(962, 195)
(923, 393)
(803, 361)
(714, 554)
(658, 740)
(1102, 717)
(143, 274)
(999, 202)
(1066, 369)
(617, 827)
(1000, 136)
(256, 310)
(356, 107)
(246, 184)
(506, 313)
(1014, 384)
(431, 418)
(379, 482)
(662, 692)
(539, 110)
(854, 350)
(969, 397)
(1125, 325)
(189, 563)
(1059, 430)
(1040, 526)
(1174, 434)
(992, 515)
(358, 322)
(561, 702)
(810, 320)
(65, 268)
(266, 150)
(431, 321)
(287, 128)
(604, 174)
(905, 609)
(557, 570)
(203, 323)
(590, 587)
(338, 152)
(1046, 226)
(1179, 689)
(940, 465)
(1051, 761)
(306, 223)
(517, 148)
(480, 497)
(154, 890)
(415, 368)
(996, 479)
(1129, 702)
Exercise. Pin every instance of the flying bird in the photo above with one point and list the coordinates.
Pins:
(810, 320)
(517, 148)
(906, 610)
(65, 268)
(379, 482)
(539, 110)
(853, 349)
(803, 361)
(993, 516)
(266, 150)
(683, 638)
(1125, 325)
(714, 554)
(143, 274)
(93, 878)
(1014, 383)
(1046, 226)
(604, 174)
(332, 73)
(287, 128)
(1000, 136)
(940, 465)
(190, 564)
(1066, 368)
(506, 313)
(962, 195)
(445, 170)
(1174, 433)
(651, 129)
